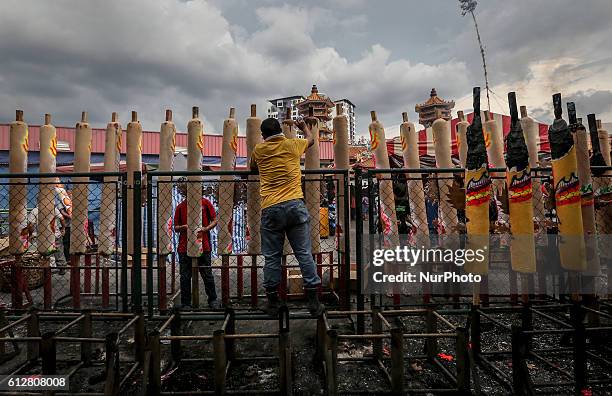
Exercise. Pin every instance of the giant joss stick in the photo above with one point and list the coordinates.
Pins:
(312, 193)
(80, 196)
(587, 204)
(495, 151)
(195, 146)
(531, 130)
(442, 145)
(519, 186)
(253, 138)
(226, 197)
(477, 194)
(572, 249)
(46, 196)
(108, 211)
(133, 164)
(18, 233)
(462, 127)
(341, 161)
(167, 146)
(385, 184)
(409, 139)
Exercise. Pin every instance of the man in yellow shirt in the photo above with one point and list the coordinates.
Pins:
(283, 210)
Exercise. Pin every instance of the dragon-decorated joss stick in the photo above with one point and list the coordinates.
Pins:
(253, 137)
(447, 214)
(462, 127)
(167, 145)
(567, 192)
(108, 211)
(477, 192)
(341, 161)
(518, 179)
(133, 163)
(416, 194)
(226, 186)
(80, 190)
(47, 221)
(195, 146)
(18, 163)
(386, 196)
(586, 190)
(312, 193)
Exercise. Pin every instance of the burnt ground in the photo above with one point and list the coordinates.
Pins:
(261, 376)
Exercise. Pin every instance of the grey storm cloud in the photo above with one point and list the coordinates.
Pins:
(67, 56)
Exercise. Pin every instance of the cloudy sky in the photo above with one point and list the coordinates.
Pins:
(66, 56)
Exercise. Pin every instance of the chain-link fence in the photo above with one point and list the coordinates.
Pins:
(61, 240)
(203, 229)
(425, 211)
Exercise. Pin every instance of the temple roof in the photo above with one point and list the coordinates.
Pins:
(434, 101)
(315, 96)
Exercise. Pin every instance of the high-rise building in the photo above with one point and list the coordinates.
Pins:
(277, 108)
(348, 108)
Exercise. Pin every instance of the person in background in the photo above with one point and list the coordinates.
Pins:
(57, 226)
(283, 211)
(65, 208)
(209, 221)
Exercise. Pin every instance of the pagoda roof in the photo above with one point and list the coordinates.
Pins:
(315, 96)
(433, 102)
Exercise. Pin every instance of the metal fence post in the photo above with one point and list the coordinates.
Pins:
(284, 350)
(137, 238)
(155, 368)
(149, 203)
(86, 332)
(397, 361)
(124, 238)
(175, 330)
(521, 380)
(331, 362)
(359, 250)
(220, 361)
(33, 351)
(463, 361)
(347, 241)
(579, 350)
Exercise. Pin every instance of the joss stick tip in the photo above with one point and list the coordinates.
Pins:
(405, 116)
(84, 117)
(373, 115)
(523, 111)
(19, 115)
(134, 116)
(47, 119)
(195, 111)
(168, 115)
(253, 110)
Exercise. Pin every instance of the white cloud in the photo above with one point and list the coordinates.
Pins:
(119, 56)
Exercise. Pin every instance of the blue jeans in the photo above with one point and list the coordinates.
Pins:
(290, 218)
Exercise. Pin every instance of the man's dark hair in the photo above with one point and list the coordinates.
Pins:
(269, 127)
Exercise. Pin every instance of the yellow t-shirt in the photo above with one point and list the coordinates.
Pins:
(278, 160)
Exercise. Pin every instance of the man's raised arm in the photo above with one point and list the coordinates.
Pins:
(307, 129)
